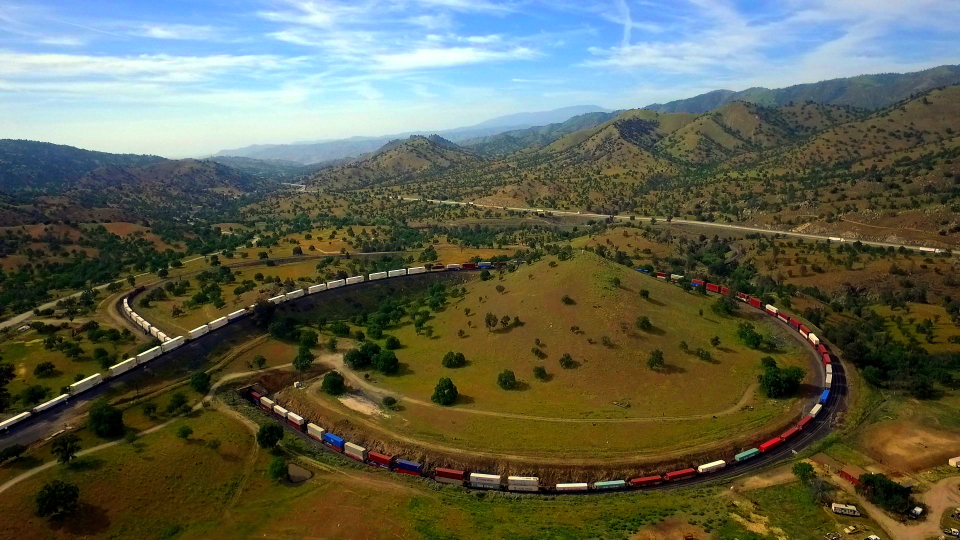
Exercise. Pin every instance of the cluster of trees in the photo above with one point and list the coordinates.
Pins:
(886, 493)
(777, 382)
(454, 360)
(370, 355)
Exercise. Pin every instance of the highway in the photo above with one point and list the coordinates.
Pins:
(705, 224)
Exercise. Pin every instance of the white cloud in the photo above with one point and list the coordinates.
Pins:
(177, 31)
(447, 57)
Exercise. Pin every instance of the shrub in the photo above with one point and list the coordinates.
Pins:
(454, 360)
(57, 498)
(269, 435)
(643, 323)
(392, 343)
(445, 393)
(656, 361)
(568, 301)
(200, 382)
(507, 380)
(566, 361)
(340, 329)
(333, 383)
(277, 469)
(184, 432)
(45, 369)
(105, 420)
(749, 336)
(540, 373)
(389, 402)
(779, 383)
(178, 404)
(386, 362)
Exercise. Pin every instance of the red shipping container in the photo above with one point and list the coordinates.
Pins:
(679, 475)
(804, 330)
(789, 433)
(255, 396)
(661, 275)
(805, 421)
(771, 444)
(725, 291)
(646, 481)
(404, 471)
(449, 473)
(743, 296)
(755, 302)
(821, 349)
(469, 266)
(380, 460)
(794, 323)
(783, 317)
(826, 358)
(713, 287)
(697, 282)
(770, 311)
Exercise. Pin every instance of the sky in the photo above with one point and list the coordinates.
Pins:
(187, 78)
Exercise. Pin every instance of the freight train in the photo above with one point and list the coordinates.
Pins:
(477, 480)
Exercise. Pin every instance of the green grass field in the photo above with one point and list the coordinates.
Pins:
(795, 513)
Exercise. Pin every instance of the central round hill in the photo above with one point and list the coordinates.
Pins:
(586, 307)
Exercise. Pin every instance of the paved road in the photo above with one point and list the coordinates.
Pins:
(706, 224)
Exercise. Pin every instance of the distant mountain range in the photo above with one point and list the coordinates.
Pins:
(320, 151)
(864, 91)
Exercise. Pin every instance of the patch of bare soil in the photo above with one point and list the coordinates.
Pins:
(775, 477)
(361, 404)
(671, 529)
(909, 447)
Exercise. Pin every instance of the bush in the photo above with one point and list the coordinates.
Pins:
(149, 409)
(566, 361)
(375, 331)
(200, 382)
(303, 360)
(445, 393)
(454, 360)
(178, 404)
(643, 323)
(725, 305)
(389, 402)
(45, 369)
(308, 338)
(12, 452)
(333, 383)
(105, 420)
(540, 373)
(268, 436)
(57, 498)
(507, 380)
(886, 493)
(392, 343)
(340, 329)
(277, 469)
(386, 362)
(184, 432)
(749, 336)
(568, 301)
(656, 361)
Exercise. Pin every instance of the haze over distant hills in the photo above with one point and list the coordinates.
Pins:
(864, 91)
(316, 152)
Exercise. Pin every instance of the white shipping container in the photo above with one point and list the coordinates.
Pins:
(154, 331)
(453, 267)
(397, 273)
(315, 431)
(173, 344)
(954, 462)
(317, 288)
(336, 283)
(148, 355)
(845, 509)
(676, 277)
(355, 450)
(85, 384)
(353, 280)
(771, 308)
(236, 314)
(217, 323)
(15, 420)
(294, 294)
(295, 418)
(267, 402)
(162, 337)
(123, 367)
(198, 331)
(523, 481)
(815, 410)
(416, 270)
(828, 382)
(279, 299)
(576, 486)
(377, 275)
(829, 369)
(712, 466)
(813, 338)
(280, 411)
(52, 403)
(836, 239)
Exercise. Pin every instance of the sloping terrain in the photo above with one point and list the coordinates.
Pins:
(535, 137)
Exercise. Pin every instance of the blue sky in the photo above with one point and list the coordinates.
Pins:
(180, 78)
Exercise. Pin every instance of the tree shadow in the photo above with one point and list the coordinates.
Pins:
(671, 369)
(727, 350)
(656, 330)
(86, 464)
(87, 520)
(404, 369)
(23, 463)
(546, 378)
(521, 386)
(655, 302)
(463, 399)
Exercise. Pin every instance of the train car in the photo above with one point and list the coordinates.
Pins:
(355, 451)
(804, 422)
(278, 299)
(771, 309)
(815, 410)
(267, 404)
(794, 323)
(743, 297)
(173, 344)
(642, 270)
(485, 265)
(824, 396)
(10, 422)
(645, 481)
(675, 278)
(697, 282)
(438, 268)
(315, 431)
(354, 280)
(783, 317)
(609, 485)
(380, 460)
(826, 359)
(313, 289)
(294, 294)
(713, 466)
(404, 466)
(281, 412)
(725, 291)
(755, 302)
(62, 398)
(218, 323)
(236, 315)
(454, 266)
(449, 476)
(397, 273)
(334, 442)
(85, 384)
(155, 332)
(336, 283)
(485, 481)
(123, 367)
(523, 483)
(198, 331)
(746, 454)
(828, 380)
(148, 355)
(814, 340)
(682, 474)
(771, 444)
(822, 349)
(661, 275)
(804, 331)
(713, 287)
(162, 337)
(416, 270)
(828, 369)
(469, 266)
(296, 421)
(573, 487)
(789, 433)
(378, 275)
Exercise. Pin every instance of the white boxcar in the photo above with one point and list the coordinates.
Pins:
(154, 331)
(279, 299)
(675, 277)
(336, 283)
(816, 410)
(485, 481)
(354, 280)
(162, 337)
(148, 355)
(280, 411)
(317, 288)
(397, 273)
(173, 344)
(267, 402)
(198, 331)
(523, 483)
(123, 367)
(813, 338)
(294, 294)
(14, 421)
(377, 275)
(315, 431)
(712, 466)
(85, 384)
(836, 239)
(828, 381)
(295, 419)
(453, 266)
(52, 403)
(416, 270)
(771, 309)
(574, 486)
(236, 314)
(355, 451)
(829, 369)
(217, 323)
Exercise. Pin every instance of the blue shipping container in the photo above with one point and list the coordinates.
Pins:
(610, 484)
(485, 264)
(408, 465)
(743, 456)
(644, 270)
(824, 396)
(333, 440)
